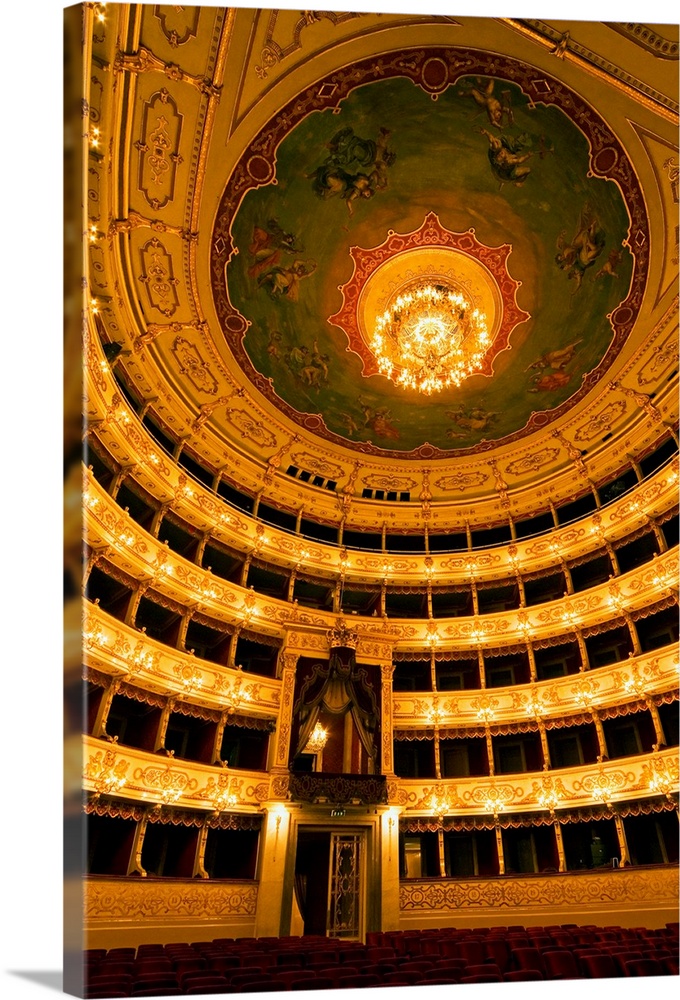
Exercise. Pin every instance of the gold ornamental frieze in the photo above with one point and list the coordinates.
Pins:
(473, 564)
(440, 800)
(120, 650)
(145, 61)
(569, 538)
(305, 643)
(625, 886)
(606, 783)
(532, 462)
(549, 792)
(396, 483)
(106, 772)
(461, 481)
(141, 900)
(666, 354)
(600, 423)
(139, 776)
(250, 428)
(285, 34)
(369, 648)
(226, 791)
(163, 783)
(494, 796)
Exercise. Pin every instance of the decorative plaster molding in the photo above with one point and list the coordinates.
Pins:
(623, 886)
(172, 901)
(605, 783)
(165, 781)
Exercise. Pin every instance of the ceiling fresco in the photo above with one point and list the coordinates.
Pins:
(487, 148)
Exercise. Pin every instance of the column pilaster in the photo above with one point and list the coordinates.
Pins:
(288, 666)
(269, 917)
(387, 755)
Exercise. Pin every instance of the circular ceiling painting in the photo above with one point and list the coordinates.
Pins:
(429, 309)
(419, 193)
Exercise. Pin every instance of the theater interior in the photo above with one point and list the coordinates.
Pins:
(373, 676)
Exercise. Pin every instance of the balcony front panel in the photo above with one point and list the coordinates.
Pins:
(139, 776)
(198, 506)
(117, 649)
(618, 684)
(144, 558)
(609, 782)
(625, 896)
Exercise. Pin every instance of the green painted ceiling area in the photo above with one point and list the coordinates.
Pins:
(521, 178)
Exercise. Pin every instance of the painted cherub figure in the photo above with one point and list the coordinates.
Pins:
(498, 112)
(508, 162)
(285, 281)
(586, 245)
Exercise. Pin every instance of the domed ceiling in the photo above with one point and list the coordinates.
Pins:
(448, 164)
(281, 180)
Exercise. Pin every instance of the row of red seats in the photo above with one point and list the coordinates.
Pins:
(390, 958)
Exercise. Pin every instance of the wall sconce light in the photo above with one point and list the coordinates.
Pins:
(225, 800)
(494, 801)
(170, 796)
(433, 637)
(226, 796)
(633, 684)
(106, 774)
(662, 776)
(534, 705)
(485, 706)
(189, 676)
(141, 658)
(548, 796)
(93, 636)
(434, 715)
(584, 693)
(568, 616)
(237, 696)
(523, 625)
(439, 807)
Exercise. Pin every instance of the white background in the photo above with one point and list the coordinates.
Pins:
(30, 560)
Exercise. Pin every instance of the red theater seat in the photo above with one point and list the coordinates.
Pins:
(644, 967)
(599, 966)
(560, 965)
(318, 983)
(522, 976)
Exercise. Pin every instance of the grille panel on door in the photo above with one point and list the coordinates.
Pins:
(345, 887)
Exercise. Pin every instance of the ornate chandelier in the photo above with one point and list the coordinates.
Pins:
(318, 739)
(429, 338)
